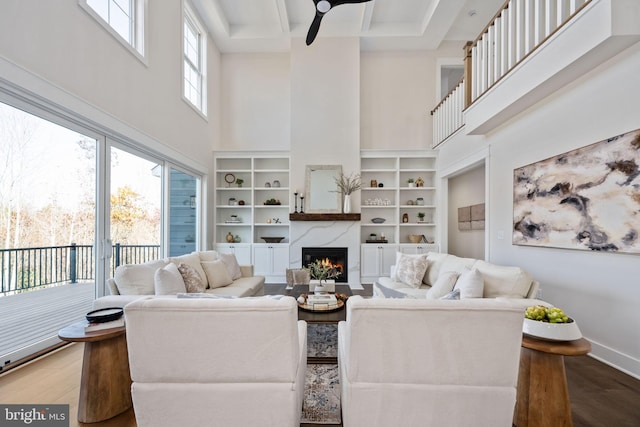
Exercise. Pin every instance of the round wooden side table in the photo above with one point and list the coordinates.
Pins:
(105, 385)
(543, 396)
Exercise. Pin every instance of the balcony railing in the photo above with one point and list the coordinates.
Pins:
(23, 269)
(518, 29)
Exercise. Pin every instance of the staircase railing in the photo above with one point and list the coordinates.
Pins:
(517, 30)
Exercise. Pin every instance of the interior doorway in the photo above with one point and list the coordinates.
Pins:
(466, 190)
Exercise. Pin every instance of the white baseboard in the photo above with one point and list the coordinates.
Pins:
(615, 359)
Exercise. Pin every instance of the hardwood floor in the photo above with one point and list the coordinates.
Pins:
(601, 396)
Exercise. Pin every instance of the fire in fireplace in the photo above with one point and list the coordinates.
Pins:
(332, 257)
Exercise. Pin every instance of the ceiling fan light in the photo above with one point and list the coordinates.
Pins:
(323, 6)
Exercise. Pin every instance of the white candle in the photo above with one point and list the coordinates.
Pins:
(301, 194)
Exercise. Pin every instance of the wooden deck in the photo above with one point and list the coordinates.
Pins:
(32, 319)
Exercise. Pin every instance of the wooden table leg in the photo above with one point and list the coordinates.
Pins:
(105, 387)
(543, 395)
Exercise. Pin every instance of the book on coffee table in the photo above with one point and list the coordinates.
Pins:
(322, 301)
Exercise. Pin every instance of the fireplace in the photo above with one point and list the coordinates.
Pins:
(337, 257)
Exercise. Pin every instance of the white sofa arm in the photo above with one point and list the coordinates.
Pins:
(246, 270)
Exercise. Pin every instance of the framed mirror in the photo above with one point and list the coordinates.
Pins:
(321, 192)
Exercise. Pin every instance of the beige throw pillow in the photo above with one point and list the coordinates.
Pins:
(471, 284)
(410, 269)
(231, 262)
(443, 285)
(193, 260)
(192, 280)
(217, 273)
(168, 281)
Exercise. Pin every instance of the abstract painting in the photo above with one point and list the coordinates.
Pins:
(586, 199)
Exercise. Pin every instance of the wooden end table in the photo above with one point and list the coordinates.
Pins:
(543, 396)
(105, 385)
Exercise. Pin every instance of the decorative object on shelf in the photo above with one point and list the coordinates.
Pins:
(232, 201)
(241, 202)
(420, 216)
(267, 185)
(373, 236)
(378, 220)
(230, 238)
(550, 323)
(272, 239)
(268, 221)
(233, 219)
(277, 221)
(405, 218)
(377, 202)
(411, 183)
(420, 201)
(229, 179)
(410, 203)
(419, 182)
(380, 185)
(272, 202)
(276, 184)
(418, 238)
(236, 239)
(374, 183)
(295, 201)
(302, 203)
(347, 185)
(239, 181)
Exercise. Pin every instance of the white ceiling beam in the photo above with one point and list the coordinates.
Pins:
(213, 16)
(438, 19)
(367, 15)
(284, 16)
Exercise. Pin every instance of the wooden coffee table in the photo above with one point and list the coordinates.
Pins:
(105, 385)
(331, 317)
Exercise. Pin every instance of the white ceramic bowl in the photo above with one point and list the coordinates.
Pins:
(552, 331)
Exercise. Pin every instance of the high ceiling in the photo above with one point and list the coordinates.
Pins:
(269, 25)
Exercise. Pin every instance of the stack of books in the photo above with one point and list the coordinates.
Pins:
(95, 326)
(320, 302)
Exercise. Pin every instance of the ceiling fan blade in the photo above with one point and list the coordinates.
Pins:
(314, 28)
(335, 3)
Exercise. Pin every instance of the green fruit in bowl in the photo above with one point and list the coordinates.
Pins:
(546, 314)
(536, 312)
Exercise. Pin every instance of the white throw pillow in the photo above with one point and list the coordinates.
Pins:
(436, 260)
(410, 269)
(168, 281)
(217, 273)
(208, 255)
(193, 261)
(471, 284)
(443, 285)
(137, 279)
(233, 267)
(504, 281)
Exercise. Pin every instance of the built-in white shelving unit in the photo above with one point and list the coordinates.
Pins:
(387, 195)
(252, 210)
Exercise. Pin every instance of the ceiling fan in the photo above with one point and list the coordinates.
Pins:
(322, 7)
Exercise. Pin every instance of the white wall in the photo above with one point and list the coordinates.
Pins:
(466, 189)
(600, 290)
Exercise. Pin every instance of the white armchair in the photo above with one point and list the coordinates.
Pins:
(227, 362)
(406, 362)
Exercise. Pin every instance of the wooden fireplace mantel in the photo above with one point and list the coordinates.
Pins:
(324, 217)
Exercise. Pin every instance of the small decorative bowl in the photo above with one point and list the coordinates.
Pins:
(552, 331)
(415, 238)
(272, 239)
(378, 220)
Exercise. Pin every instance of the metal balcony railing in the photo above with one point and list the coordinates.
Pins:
(23, 269)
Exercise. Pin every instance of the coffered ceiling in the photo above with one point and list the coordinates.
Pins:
(269, 25)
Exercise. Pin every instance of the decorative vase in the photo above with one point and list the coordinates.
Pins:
(347, 204)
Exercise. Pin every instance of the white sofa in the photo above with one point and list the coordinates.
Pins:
(444, 273)
(408, 362)
(220, 275)
(225, 362)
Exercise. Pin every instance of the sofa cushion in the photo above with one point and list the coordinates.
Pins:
(470, 284)
(410, 269)
(445, 283)
(243, 287)
(168, 280)
(231, 262)
(193, 260)
(435, 263)
(192, 280)
(457, 264)
(501, 281)
(208, 255)
(137, 279)
(217, 273)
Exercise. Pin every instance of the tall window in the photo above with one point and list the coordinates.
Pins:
(194, 61)
(122, 18)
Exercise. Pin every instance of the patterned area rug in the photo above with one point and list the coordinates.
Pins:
(321, 395)
(322, 389)
(322, 340)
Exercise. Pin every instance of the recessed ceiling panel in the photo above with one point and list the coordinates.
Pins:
(400, 11)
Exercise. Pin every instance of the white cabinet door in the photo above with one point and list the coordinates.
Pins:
(271, 261)
(417, 249)
(242, 252)
(376, 260)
